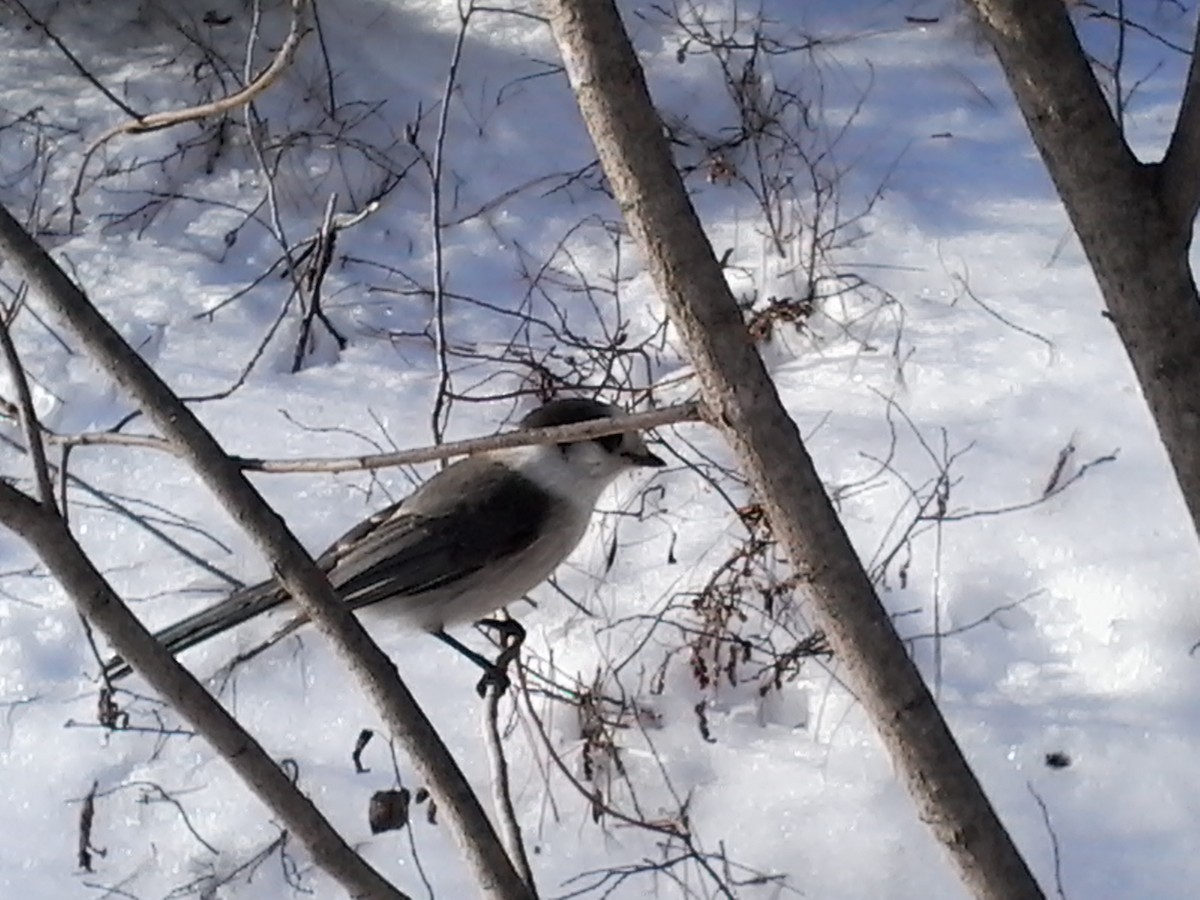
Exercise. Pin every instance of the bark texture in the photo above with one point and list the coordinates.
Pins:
(628, 135)
(1134, 220)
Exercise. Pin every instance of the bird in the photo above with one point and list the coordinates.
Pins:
(474, 538)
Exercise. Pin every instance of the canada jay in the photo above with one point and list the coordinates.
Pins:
(473, 538)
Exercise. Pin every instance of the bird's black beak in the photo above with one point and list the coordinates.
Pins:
(645, 458)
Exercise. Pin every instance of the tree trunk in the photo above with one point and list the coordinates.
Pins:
(628, 135)
(1133, 219)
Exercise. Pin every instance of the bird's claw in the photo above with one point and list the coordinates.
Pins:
(510, 631)
(495, 676)
(495, 679)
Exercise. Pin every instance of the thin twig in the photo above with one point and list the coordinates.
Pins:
(117, 504)
(74, 61)
(1119, 68)
(1058, 882)
(987, 617)
(170, 118)
(690, 411)
(1058, 489)
(311, 281)
(510, 828)
(441, 410)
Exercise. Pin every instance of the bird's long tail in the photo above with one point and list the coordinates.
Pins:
(229, 613)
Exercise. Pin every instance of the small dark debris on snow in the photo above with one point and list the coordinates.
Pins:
(388, 810)
(1057, 760)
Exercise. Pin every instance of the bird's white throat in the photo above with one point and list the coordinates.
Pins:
(562, 475)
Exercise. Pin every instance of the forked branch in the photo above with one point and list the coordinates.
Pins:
(294, 567)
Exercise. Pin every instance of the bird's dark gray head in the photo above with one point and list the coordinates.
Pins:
(568, 411)
(625, 449)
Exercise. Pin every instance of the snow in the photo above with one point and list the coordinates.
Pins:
(976, 352)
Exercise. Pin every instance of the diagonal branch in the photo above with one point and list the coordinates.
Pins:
(1180, 185)
(611, 90)
(74, 60)
(47, 533)
(288, 559)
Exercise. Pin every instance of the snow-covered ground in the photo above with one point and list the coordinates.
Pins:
(971, 355)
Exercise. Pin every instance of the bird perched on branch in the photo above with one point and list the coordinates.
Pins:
(473, 538)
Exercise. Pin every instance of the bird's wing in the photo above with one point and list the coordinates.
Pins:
(468, 516)
(471, 514)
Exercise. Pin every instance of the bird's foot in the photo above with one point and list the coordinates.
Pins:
(495, 676)
(510, 632)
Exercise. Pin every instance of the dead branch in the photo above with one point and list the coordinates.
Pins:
(1054, 848)
(441, 405)
(87, 815)
(74, 60)
(310, 284)
(677, 843)
(690, 411)
(122, 506)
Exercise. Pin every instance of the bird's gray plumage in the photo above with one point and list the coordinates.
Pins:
(444, 533)
(474, 537)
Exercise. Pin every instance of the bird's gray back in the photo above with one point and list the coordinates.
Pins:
(473, 538)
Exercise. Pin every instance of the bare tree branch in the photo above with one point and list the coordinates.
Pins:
(1133, 220)
(629, 138)
(310, 283)
(1181, 163)
(668, 415)
(292, 565)
(510, 828)
(441, 404)
(74, 60)
(46, 532)
(169, 119)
